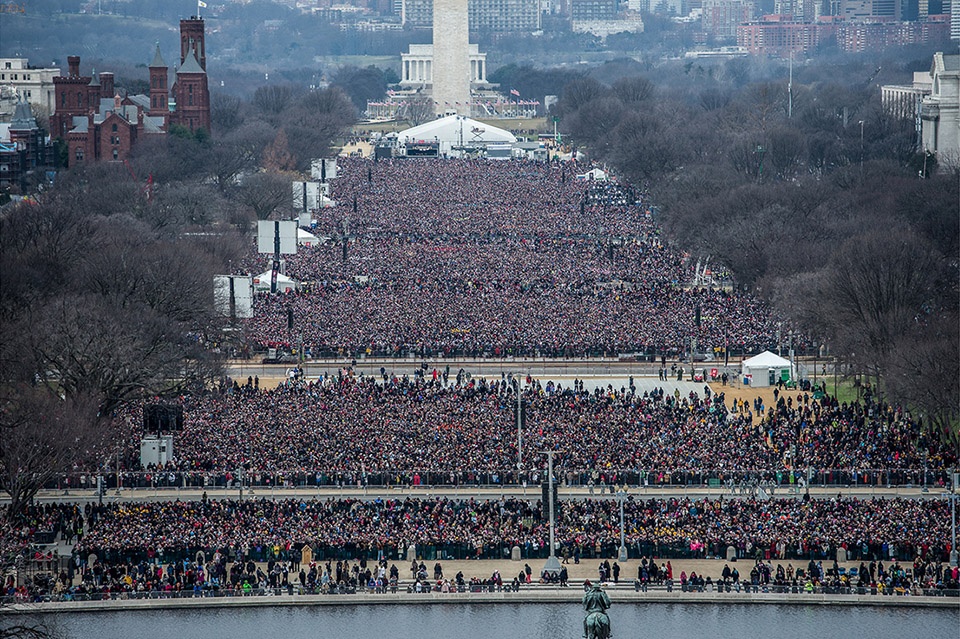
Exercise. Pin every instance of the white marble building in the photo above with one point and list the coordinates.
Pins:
(940, 111)
(417, 66)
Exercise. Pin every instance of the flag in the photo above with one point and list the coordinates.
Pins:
(201, 4)
(514, 92)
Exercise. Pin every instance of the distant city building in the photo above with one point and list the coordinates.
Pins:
(97, 122)
(801, 10)
(720, 18)
(34, 84)
(779, 35)
(632, 23)
(24, 149)
(867, 9)
(857, 37)
(594, 10)
(940, 111)
(497, 16)
(955, 21)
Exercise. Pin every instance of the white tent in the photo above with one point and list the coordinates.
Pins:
(765, 369)
(306, 238)
(594, 174)
(456, 130)
(261, 283)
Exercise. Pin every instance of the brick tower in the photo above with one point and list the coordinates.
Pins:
(71, 96)
(190, 90)
(191, 39)
(159, 91)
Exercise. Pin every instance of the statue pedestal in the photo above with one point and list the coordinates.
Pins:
(622, 558)
(552, 565)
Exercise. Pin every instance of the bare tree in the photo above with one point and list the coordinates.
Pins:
(238, 151)
(43, 434)
(226, 112)
(418, 110)
(633, 91)
(876, 287)
(579, 92)
(266, 193)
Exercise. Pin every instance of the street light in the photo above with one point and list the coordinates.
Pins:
(519, 428)
(553, 564)
(621, 497)
(861, 147)
(953, 518)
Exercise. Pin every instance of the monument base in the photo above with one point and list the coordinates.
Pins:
(552, 565)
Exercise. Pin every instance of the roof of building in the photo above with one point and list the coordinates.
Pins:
(190, 65)
(23, 119)
(140, 99)
(157, 59)
(94, 79)
(79, 124)
(152, 124)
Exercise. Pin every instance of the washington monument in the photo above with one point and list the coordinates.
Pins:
(451, 56)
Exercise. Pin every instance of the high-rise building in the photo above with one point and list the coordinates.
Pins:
(583, 10)
(870, 9)
(495, 16)
(722, 17)
(451, 56)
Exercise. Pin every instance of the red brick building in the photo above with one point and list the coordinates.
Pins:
(98, 123)
(780, 35)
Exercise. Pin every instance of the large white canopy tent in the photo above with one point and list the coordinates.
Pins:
(456, 130)
(765, 369)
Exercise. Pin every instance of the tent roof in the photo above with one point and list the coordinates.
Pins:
(766, 359)
(447, 129)
(266, 275)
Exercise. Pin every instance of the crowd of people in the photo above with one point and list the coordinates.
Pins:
(271, 544)
(469, 257)
(438, 428)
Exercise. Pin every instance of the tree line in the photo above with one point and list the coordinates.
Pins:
(107, 292)
(817, 199)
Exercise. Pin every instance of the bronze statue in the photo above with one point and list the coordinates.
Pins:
(596, 623)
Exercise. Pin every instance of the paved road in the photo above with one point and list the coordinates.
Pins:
(543, 369)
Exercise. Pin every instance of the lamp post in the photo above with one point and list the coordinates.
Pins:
(519, 428)
(553, 564)
(953, 517)
(621, 497)
(861, 147)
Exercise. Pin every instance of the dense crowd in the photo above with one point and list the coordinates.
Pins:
(475, 257)
(150, 544)
(882, 529)
(384, 431)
